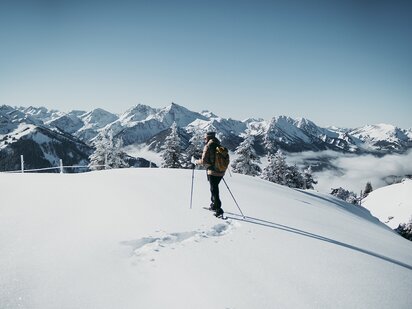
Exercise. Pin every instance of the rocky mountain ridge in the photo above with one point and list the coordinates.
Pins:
(145, 125)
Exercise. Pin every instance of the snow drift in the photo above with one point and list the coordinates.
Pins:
(128, 239)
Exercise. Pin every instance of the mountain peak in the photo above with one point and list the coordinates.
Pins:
(98, 118)
(175, 106)
(138, 113)
(179, 114)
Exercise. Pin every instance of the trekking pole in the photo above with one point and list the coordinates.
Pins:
(191, 190)
(234, 198)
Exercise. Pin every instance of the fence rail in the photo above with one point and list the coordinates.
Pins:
(61, 167)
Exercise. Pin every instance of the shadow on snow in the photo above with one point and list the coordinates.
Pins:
(311, 235)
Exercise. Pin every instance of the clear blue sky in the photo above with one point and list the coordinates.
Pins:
(345, 63)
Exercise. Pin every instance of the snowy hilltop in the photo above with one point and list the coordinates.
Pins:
(391, 204)
(144, 127)
(128, 239)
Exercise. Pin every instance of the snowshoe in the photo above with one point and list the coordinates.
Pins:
(220, 213)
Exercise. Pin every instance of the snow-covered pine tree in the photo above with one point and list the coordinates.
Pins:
(405, 229)
(247, 160)
(308, 180)
(269, 139)
(98, 157)
(269, 171)
(368, 189)
(293, 177)
(172, 155)
(269, 145)
(195, 147)
(277, 168)
(345, 195)
(117, 157)
(108, 153)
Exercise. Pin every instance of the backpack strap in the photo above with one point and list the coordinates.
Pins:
(212, 153)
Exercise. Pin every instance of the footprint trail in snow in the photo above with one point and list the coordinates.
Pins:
(143, 248)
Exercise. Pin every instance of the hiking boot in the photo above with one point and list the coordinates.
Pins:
(219, 212)
(212, 208)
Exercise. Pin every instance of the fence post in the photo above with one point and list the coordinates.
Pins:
(22, 163)
(61, 166)
(105, 161)
(360, 198)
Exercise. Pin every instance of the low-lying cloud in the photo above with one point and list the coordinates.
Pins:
(351, 171)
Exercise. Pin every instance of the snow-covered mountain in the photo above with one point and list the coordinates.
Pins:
(143, 125)
(41, 113)
(69, 123)
(69, 242)
(41, 148)
(383, 137)
(391, 204)
(84, 125)
(41, 145)
(11, 118)
(302, 134)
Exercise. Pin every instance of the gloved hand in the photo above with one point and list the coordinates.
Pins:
(193, 160)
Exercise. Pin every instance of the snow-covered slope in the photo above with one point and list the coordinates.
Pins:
(127, 239)
(391, 204)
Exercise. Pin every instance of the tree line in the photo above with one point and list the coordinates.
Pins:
(108, 154)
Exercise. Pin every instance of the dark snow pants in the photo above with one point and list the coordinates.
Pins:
(214, 190)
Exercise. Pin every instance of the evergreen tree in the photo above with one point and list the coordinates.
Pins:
(345, 195)
(368, 189)
(195, 147)
(117, 157)
(172, 155)
(108, 153)
(293, 177)
(308, 180)
(269, 171)
(269, 139)
(276, 169)
(281, 167)
(405, 230)
(269, 145)
(98, 157)
(246, 162)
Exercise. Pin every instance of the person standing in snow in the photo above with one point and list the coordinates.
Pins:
(214, 177)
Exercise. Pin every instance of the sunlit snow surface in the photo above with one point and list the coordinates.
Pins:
(128, 239)
(391, 204)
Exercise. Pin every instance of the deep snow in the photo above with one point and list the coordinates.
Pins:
(127, 239)
(391, 204)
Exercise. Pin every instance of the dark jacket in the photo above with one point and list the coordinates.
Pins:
(208, 157)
